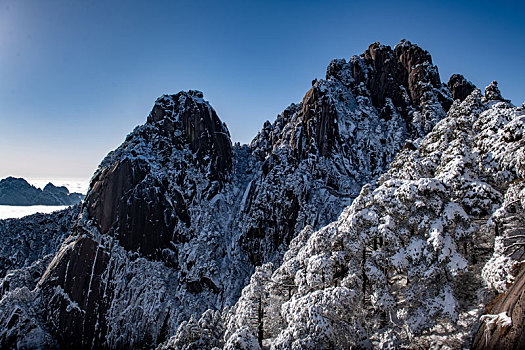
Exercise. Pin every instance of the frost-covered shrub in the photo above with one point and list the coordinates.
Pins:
(390, 270)
(204, 333)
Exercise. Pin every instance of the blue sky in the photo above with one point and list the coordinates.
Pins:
(77, 76)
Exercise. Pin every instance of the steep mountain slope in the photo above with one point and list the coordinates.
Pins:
(176, 219)
(26, 240)
(401, 267)
(317, 155)
(27, 246)
(502, 327)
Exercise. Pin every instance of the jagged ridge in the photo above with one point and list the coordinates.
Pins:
(408, 252)
(176, 219)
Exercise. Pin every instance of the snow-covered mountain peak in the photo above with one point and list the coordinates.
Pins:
(492, 93)
(188, 113)
(362, 204)
(401, 267)
(171, 106)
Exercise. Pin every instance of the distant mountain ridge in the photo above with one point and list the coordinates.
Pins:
(17, 191)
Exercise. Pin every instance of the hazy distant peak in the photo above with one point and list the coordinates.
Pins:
(17, 191)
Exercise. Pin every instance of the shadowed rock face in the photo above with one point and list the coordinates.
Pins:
(419, 70)
(403, 75)
(460, 87)
(135, 212)
(382, 89)
(139, 209)
(31, 240)
(131, 199)
(387, 79)
(207, 135)
(76, 298)
(320, 123)
(512, 303)
(108, 188)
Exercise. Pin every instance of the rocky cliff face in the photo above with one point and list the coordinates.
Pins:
(317, 155)
(402, 266)
(459, 87)
(177, 219)
(502, 327)
(138, 211)
(27, 246)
